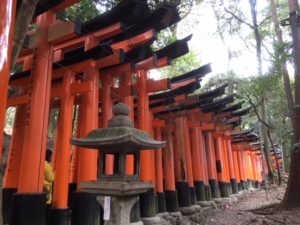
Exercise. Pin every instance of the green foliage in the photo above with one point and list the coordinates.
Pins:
(254, 88)
(85, 10)
(53, 120)
(10, 118)
(181, 65)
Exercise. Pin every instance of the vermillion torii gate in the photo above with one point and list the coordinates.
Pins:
(224, 153)
(66, 67)
(61, 43)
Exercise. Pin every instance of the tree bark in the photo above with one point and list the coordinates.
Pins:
(285, 75)
(23, 20)
(265, 129)
(292, 197)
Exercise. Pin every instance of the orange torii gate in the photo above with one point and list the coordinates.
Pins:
(191, 179)
(230, 176)
(60, 44)
(248, 164)
(91, 67)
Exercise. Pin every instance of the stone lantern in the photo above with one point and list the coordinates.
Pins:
(119, 139)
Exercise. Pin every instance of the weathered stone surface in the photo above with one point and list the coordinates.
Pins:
(164, 214)
(120, 208)
(204, 203)
(196, 207)
(121, 109)
(228, 201)
(176, 214)
(152, 220)
(137, 223)
(115, 188)
(187, 210)
(120, 134)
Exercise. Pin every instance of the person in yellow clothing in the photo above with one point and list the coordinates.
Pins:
(49, 176)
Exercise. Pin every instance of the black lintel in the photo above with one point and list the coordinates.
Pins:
(242, 112)
(233, 122)
(160, 19)
(140, 53)
(127, 12)
(233, 107)
(219, 104)
(189, 88)
(167, 101)
(20, 75)
(244, 140)
(196, 73)
(98, 52)
(244, 132)
(45, 5)
(175, 50)
(217, 107)
(182, 107)
(213, 93)
(94, 53)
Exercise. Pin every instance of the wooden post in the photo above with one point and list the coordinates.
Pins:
(225, 156)
(220, 162)
(85, 208)
(198, 162)
(241, 164)
(211, 164)
(204, 167)
(236, 168)
(11, 178)
(7, 13)
(189, 164)
(169, 175)
(180, 163)
(10, 183)
(147, 200)
(231, 164)
(254, 169)
(249, 169)
(106, 112)
(159, 184)
(59, 212)
(30, 185)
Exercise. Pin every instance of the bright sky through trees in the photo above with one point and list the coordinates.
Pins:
(211, 49)
(209, 46)
(202, 23)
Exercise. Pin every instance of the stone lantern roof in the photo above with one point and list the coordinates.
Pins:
(119, 136)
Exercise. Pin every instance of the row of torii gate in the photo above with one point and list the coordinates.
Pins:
(93, 66)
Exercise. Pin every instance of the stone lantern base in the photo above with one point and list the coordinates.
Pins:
(120, 209)
(123, 196)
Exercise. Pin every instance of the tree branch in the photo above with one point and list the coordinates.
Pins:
(256, 112)
(264, 20)
(238, 18)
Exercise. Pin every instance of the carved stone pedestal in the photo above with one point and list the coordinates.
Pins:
(123, 195)
(119, 209)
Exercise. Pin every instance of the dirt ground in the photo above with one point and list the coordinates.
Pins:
(253, 208)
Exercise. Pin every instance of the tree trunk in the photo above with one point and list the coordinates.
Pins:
(292, 197)
(285, 75)
(255, 28)
(24, 17)
(265, 131)
(286, 156)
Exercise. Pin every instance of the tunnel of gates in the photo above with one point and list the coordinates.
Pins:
(82, 70)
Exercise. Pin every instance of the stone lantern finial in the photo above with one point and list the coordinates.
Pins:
(121, 116)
